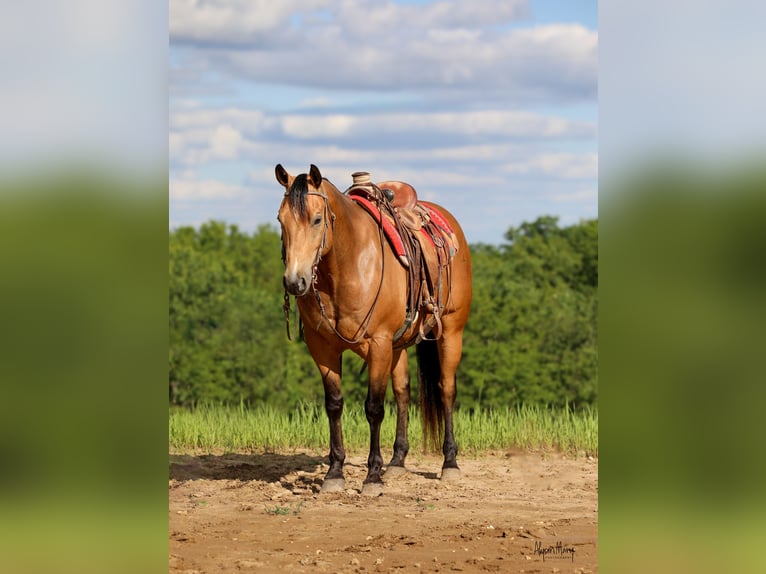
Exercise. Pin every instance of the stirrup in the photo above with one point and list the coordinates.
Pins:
(436, 329)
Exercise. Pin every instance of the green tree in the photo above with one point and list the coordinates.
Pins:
(531, 338)
(226, 324)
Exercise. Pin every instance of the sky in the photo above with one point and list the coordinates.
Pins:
(488, 107)
(680, 79)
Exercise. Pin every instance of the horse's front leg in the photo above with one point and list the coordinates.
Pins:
(379, 362)
(330, 367)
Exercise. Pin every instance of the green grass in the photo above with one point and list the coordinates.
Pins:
(236, 428)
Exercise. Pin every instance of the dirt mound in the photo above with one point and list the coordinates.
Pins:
(510, 512)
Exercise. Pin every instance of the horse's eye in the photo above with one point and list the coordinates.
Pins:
(317, 220)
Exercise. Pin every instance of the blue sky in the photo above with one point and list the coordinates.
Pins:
(486, 106)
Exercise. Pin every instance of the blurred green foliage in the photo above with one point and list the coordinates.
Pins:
(83, 418)
(682, 309)
(531, 338)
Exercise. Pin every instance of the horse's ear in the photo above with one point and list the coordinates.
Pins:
(315, 178)
(281, 174)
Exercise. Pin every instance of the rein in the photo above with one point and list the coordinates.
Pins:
(322, 312)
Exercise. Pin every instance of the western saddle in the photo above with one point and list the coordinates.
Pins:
(424, 242)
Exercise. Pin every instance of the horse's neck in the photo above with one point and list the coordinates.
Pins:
(351, 229)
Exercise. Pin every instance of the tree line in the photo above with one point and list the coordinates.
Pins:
(531, 337)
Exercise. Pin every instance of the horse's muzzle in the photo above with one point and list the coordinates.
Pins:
(296, 284)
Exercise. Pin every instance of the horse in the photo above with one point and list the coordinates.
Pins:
(352, 293)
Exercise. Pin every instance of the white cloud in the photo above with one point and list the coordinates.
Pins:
(365, 17)
(234, 21)
(225, 142)
(378, 125)
(245, 21)
(205, 189)
(384, 45)
(505, 138)
(320, 102)
(313, 127)
(202, 117)
(562, 165)
(504, 124)
(587, 195)
(556, 62)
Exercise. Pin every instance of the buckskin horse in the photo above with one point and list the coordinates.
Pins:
(356, 290)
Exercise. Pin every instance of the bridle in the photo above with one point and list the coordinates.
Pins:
(317, 258)
(329, 220)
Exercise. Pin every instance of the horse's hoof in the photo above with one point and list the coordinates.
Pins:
(372, 489)
(451, 474)
(394, 471)
(333, 485)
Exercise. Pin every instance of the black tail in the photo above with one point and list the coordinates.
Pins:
(431, 407)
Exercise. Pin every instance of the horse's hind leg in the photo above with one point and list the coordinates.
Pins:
(450, 348)
(401, 386)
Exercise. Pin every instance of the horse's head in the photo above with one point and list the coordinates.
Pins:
(304, 216)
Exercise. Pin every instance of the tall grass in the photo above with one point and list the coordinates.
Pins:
(235, 428)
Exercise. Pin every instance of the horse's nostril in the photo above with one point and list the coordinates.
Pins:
(297, 284)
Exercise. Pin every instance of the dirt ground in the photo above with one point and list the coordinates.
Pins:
(510, 512)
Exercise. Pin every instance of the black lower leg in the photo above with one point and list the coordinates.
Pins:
(450, 446)
(401, 444)
(373, 409)
(334, 408)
